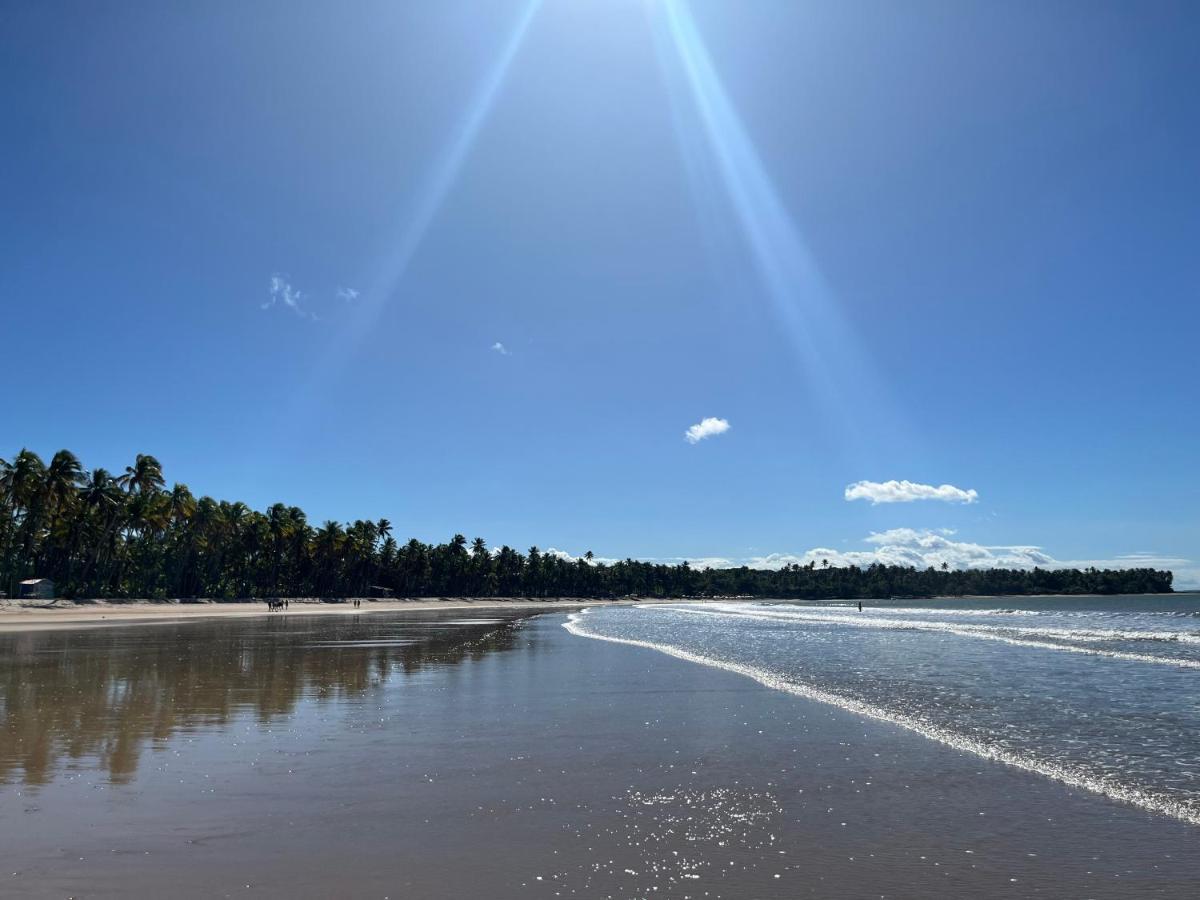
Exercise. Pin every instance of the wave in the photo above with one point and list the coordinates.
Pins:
(1009, 634)
(1185, 811)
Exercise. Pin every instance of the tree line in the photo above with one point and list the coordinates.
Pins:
(97, 534)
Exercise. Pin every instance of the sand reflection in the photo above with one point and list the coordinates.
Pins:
(98, 698)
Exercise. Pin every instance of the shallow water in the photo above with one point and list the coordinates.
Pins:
(440, 755)
(1099, 693)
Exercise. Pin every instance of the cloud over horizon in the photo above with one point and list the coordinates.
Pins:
(706, 428)
(925, 548)
(907, 492)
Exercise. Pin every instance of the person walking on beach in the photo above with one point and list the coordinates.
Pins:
(860, 606)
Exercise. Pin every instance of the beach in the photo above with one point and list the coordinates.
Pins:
(41, 616)
(432, 752)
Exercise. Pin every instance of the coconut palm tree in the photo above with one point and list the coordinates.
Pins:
(144, 476)
(103, 506)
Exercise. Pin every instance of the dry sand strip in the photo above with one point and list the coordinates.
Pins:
(15, 616)
(40, 616)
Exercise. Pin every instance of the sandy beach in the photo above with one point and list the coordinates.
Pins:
(18, 616)
(425, 755)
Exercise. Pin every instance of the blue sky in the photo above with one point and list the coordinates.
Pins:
(479, 267)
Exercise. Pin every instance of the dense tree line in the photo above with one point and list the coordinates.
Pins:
(99, 534)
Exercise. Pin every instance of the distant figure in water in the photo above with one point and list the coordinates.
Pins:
(860, 606)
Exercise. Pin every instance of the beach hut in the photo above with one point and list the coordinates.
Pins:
(37, 589)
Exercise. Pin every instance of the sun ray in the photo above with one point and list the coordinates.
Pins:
(430, 198)
(837, 373)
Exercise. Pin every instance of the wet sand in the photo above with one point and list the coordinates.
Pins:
(441, 755)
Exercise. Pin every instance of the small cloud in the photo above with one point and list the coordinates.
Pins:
(501, 349)
(908, 492)
(705, 428)
(281, 292)
(347, 294)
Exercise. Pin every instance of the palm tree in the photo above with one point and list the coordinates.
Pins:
(533, 572)
(481, 567)
(103, 504)
(144, 476)
(60, 486)
(63, 477)
(24, 491)
(182, 504)
(279, 524)
(327, 551)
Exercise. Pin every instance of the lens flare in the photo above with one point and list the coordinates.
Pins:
(430, 198)
(838, 375)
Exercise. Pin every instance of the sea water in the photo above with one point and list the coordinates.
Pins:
(1099, 693)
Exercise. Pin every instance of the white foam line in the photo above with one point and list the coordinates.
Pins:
(974, 631)
(1094, 784)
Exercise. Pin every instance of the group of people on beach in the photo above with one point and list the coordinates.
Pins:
(277, 603)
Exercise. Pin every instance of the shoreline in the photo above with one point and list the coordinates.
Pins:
(21, 616)
(17, 617)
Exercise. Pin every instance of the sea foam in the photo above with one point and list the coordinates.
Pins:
(1018, 636)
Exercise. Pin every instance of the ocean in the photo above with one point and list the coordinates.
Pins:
(1098, 693)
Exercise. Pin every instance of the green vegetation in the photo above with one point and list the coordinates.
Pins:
(102, 535)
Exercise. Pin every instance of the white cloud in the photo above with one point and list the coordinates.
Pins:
(924, 548)
(348, 294)
(567, 557)
(907, 492)
(714, 562)
(705, 428)
(281, 292)
(708, 562)
(501, 349)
